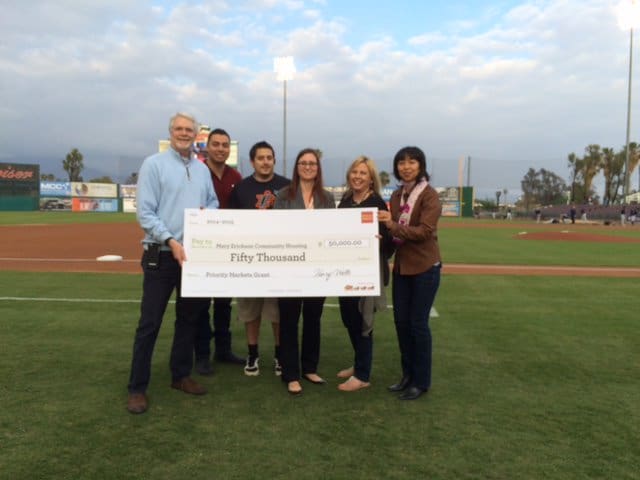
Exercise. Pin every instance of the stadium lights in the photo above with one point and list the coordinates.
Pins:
(628, 18)
(284, 69)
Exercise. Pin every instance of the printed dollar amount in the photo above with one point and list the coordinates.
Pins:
(349, 243)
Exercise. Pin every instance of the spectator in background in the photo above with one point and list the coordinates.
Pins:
(169, 182)
(572, 213)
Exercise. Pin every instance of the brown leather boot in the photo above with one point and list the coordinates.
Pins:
(137, 403)
(189, 385)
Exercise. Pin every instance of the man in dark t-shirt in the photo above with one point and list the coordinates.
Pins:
(258, 191)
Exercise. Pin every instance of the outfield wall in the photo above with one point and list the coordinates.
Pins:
(19, 186)
(456, 201)
(79, 197)
(21, 189)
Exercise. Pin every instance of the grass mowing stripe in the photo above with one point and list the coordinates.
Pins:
(432, 314)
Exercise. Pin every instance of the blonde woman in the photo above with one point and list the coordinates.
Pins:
(363, 190)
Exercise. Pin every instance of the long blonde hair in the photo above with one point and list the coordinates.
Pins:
(373, 173)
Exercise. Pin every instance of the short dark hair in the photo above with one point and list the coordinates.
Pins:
(413, 153)
(261, 144)
(218, 131)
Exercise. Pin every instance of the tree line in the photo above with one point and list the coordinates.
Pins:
(543, 187)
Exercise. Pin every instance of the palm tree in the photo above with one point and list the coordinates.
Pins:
(575, 169)
(613, 172)
(592, 164)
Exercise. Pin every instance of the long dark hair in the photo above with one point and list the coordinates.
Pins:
(318, 186)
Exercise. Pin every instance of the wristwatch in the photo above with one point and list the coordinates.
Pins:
(166, 242)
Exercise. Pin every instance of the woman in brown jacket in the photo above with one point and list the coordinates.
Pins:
(413, 222)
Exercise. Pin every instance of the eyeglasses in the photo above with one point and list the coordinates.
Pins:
(307, 164)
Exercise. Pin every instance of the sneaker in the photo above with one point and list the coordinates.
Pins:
(277, 368)
(251, 367)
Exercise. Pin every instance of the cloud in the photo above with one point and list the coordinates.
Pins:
(516, 88)
(432, 38)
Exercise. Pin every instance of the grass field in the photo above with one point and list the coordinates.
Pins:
(503, 246)
(534, 377)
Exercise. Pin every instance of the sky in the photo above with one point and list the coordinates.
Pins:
(511, 84)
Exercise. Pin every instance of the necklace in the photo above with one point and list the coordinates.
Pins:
(366, 195)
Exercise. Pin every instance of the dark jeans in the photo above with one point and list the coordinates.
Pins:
(362, 344)
(290, 355)
(221, 331)
(157, 286)
(413, 297)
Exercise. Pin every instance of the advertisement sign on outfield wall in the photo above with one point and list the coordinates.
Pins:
(128, 191)
(55, 204)
(104, 190)
(94, 204)
(55, 189)
(19, 179)
(129, 205)
(456, 201)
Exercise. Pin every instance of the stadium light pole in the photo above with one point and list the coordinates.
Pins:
(628, 18)
(284, 69)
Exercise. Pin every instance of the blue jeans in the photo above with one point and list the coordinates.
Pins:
(157, 286)
(362, 344)
(413, 297)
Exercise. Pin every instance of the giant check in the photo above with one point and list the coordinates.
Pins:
(281, 253)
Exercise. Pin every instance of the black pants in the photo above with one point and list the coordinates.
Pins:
(362, 344)
(221, 329)
(291, 357)
(157, 286)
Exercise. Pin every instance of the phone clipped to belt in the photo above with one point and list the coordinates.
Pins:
(152, 256)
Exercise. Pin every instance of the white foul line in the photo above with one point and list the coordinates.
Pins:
(77, 260)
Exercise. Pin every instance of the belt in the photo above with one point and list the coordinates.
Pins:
(162, 248)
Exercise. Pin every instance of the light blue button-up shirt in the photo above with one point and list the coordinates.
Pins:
(167, 185)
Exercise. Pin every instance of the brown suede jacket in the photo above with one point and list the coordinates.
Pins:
(420, 250)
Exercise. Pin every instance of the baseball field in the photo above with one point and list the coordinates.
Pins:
(536, 367)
